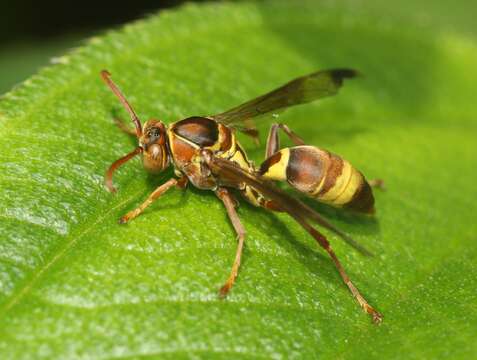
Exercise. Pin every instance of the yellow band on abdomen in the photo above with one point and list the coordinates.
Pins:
(278, 170)
(340, 183)
(353, 185)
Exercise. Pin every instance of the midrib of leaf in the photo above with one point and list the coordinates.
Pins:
(102, 213)
(28, 110)
(127, 54)
(70, 242)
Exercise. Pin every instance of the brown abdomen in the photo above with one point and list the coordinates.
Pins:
(321, 175)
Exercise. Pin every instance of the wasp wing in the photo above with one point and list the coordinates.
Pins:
(298, 91)
(230, 172)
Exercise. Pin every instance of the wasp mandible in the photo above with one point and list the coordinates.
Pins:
(205, 152)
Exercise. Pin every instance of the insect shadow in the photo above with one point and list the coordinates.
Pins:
(304, 252)
(359, 223)
(153, 181)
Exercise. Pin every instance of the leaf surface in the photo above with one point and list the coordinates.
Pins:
(75, 284)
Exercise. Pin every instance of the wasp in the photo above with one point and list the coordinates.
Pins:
(205, 152)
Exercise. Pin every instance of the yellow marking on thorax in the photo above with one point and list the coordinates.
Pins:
(233, 143)
(217, 144)
(171, 135)
(278, 171)
(238, 156)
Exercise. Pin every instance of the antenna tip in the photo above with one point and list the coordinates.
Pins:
(105, 73)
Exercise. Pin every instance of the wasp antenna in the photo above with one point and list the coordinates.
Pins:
(106, 76)
(108, 177)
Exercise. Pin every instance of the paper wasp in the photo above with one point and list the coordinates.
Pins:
(204, 151)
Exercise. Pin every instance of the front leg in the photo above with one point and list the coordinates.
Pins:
(181, 183)
(230, 203)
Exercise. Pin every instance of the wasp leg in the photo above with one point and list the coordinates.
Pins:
(230, 203)
(121, 125)
(154, 195)
(228, 170)
(274, 206)
(273, 140)
(323, 242)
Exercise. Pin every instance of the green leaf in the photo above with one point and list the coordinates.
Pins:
(75, 284)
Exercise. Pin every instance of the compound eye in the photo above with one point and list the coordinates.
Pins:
(154, 133)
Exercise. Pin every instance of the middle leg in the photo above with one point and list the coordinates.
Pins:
(230, 203)
(180, 183)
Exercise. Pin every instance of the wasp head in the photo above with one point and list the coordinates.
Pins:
(151, 137)
(154, 146)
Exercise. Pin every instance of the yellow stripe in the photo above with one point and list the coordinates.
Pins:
(239, 159)
(250, 196)
(171, 135)
(353, 185)
(278, 171)
(340, 184)
(318, 188)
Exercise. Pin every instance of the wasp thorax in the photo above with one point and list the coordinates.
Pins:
(153, 143)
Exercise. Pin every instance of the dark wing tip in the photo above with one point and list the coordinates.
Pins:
(339, 74)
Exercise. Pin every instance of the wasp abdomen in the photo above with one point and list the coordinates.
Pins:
(321, 175)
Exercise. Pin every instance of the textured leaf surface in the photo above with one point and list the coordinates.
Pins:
(75, 284)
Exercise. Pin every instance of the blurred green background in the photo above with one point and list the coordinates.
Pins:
(31, 35)
(22, 58)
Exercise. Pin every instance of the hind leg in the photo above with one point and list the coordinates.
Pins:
(276, 167)
(273, 140)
